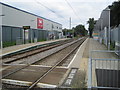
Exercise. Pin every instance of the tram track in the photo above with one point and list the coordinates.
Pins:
(52, 59)
(57, 63)
(22, 55)
(35, 58)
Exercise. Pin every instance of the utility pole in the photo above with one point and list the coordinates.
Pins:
(70, 23)
(109, 31)
(108, 27)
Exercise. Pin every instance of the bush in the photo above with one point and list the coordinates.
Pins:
(112, 46)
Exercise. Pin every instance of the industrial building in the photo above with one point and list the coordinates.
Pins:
(22, 27)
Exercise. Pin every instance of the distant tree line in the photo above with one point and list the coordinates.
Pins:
(115, 13)
(77, 30)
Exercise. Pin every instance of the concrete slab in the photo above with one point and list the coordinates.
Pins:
(54, 77)
(9, 68)
(28, 75)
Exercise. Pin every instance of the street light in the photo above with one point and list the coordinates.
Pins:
(108, 27)
(109, 31)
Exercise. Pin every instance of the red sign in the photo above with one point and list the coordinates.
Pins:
(39, 23)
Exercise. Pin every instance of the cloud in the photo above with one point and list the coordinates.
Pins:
(84, 9)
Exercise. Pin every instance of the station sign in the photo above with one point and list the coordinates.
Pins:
(39, 23)
(26, 27)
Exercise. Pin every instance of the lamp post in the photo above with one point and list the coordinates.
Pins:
(109, 31)
(108, 27)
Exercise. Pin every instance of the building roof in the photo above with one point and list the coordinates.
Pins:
(28, 12)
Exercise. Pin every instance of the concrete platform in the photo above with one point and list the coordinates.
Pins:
(16, 48)
(82, 57)
(84, 51)
(75, 63)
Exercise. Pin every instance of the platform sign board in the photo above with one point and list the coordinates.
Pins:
(39, 23)
(26, 27)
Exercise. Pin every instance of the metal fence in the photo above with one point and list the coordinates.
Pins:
(15, 34)
(114, 37)
(103, 72)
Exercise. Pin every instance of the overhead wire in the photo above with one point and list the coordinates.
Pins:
(49, 9)
(72, 9)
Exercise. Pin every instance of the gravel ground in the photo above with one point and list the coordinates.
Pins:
(36, 57)
(11, 58)
(66, 62)
(51, 60)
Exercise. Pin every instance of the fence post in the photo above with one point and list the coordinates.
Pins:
(90, 71)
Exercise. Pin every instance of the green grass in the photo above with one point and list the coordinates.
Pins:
(42, 40)
(7, 44)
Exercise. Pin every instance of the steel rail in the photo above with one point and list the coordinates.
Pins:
(29, 64)
(53, 67)
(35, 51)
(35, 48)
(30, 54)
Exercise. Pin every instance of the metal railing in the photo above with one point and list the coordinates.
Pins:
(104, 71)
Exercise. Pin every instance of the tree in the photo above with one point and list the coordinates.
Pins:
(91, 23)
(80, 30)
(115, 13)
(67, 32)
(64, 31)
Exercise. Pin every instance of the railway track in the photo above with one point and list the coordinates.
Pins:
(52, 59)
(22, 55)
(33, 49)
(33, 59)
(70, 47)
(55, 65)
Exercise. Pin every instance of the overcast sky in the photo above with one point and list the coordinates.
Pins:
(60, 11)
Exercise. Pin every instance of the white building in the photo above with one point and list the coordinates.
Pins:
(13, 20)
